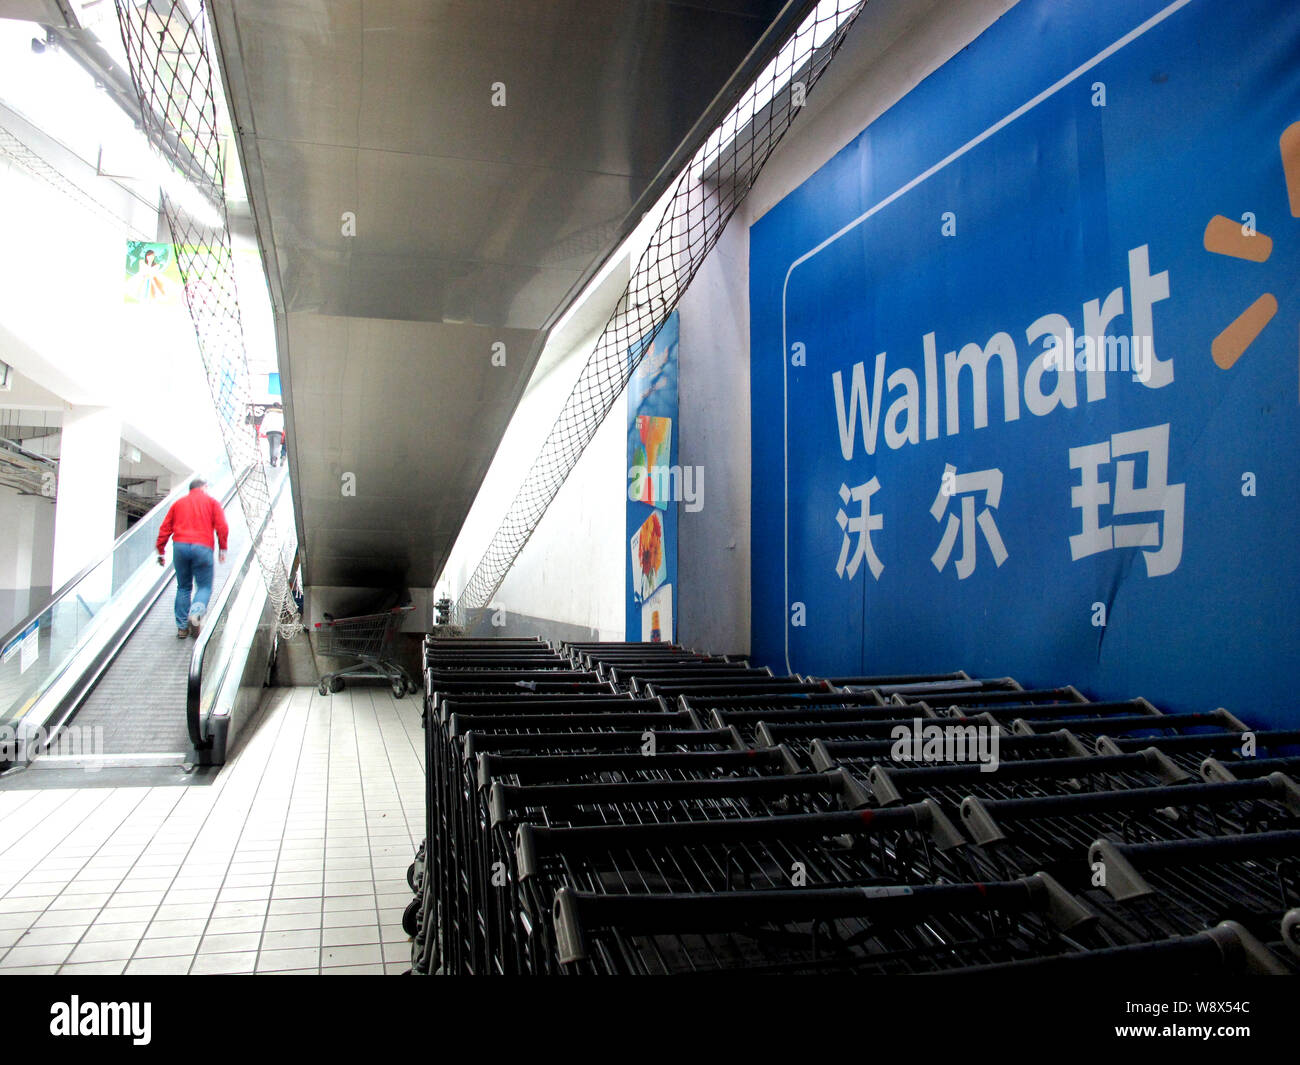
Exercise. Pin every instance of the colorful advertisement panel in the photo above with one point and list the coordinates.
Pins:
(153, 275)
(653, 488)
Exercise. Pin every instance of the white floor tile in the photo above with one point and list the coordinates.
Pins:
(349, 901)
(108, 950)
(164, 929)
(183, 911)
(20, 919)
(80, 902)
(350, 935)
(288, 922)
(65, 918)
(167, 947)
(297, 904)
(354, 955)
(178, 965)
(179, 896)
(303, 840)
(100, 932)
(243, 962)
(41, 891)
(345, 888)
(235, 925)
(297, 958)
(227, 942)
(43, 954)
(110, 967)
(223, 910)
(126, 914)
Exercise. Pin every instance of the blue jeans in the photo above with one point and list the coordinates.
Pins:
(193, 565)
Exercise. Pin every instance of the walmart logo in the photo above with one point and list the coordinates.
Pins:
(1241, 240)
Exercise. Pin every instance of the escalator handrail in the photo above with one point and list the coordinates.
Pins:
(194, 684)
(70, 585)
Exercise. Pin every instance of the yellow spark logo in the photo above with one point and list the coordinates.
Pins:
(1223, 236)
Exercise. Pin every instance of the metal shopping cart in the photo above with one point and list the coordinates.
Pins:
(368, 638)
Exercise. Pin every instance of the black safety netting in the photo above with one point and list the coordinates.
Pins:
(170, 59)
(707, 193)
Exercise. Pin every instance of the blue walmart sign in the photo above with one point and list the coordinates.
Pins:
(1025, 382)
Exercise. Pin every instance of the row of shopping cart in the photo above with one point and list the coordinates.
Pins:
(644, 808)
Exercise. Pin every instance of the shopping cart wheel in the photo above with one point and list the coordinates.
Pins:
(410, 876)
(412, 687)
(336, 685)
(324, 688)
(399, 687)
(411, 917)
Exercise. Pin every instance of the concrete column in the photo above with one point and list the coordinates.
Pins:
(86, 510)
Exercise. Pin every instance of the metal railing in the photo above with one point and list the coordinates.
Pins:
(208, 673)
(103, 596)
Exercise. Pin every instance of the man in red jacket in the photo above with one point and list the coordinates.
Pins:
(191, 523)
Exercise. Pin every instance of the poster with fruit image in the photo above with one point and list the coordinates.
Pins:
(653, 478)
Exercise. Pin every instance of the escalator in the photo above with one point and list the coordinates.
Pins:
(109, 688)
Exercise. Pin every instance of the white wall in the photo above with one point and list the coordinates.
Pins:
(570, 571)
(64, 323)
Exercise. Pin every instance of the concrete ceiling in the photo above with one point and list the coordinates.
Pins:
(47, 12)
(474, 224)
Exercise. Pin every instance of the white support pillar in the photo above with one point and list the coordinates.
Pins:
(17, 516)
(24, 553)
(86, 509)
(42, 574)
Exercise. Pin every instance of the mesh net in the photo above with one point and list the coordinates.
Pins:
(707, 193)
(171, 70)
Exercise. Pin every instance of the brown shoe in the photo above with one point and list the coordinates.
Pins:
(182, 633)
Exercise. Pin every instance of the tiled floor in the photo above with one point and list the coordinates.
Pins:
(293, 861)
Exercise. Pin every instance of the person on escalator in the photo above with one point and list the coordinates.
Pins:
(273, 427)
(191, 523)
